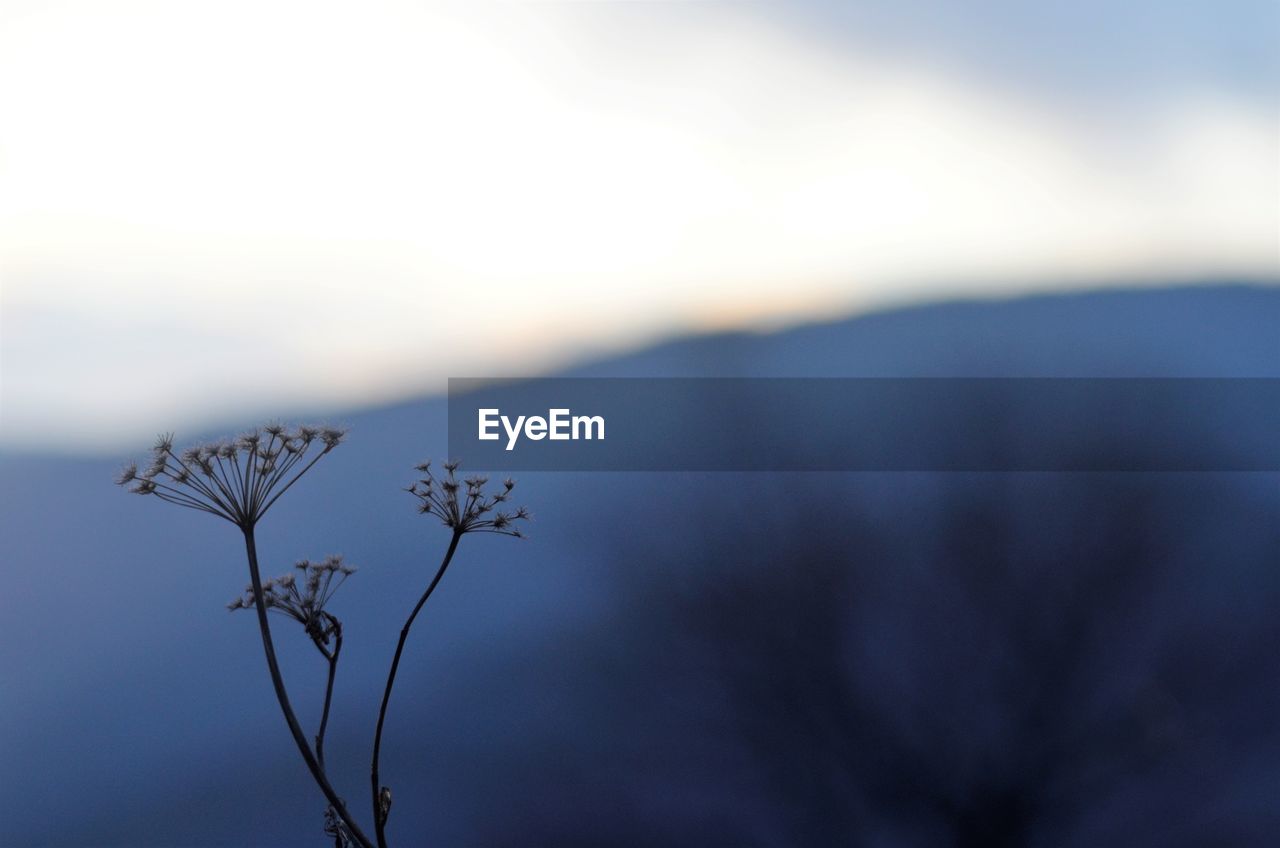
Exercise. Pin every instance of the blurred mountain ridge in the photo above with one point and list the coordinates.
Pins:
(689, 659)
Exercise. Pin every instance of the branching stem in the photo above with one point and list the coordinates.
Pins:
(268, 647)
(332, 657)
(379, 818)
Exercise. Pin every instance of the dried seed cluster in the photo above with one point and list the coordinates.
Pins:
(462, 505)
(237, 479)
(303, 596)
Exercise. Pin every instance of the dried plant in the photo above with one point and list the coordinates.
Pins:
(469, 511)
(239, 480)
(464, 508)
(305, 603)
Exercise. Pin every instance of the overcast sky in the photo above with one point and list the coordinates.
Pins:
(214, 208)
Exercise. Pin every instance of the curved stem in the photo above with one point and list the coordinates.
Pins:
(379, 816)
(282, 696)
(332, 657)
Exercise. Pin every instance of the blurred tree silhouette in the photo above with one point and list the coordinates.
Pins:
(991, 660)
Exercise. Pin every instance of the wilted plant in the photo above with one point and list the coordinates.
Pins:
(239, 481)
(305, 603)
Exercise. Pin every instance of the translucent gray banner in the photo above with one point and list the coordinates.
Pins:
(857, 424)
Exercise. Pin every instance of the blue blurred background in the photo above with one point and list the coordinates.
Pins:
(211, 216)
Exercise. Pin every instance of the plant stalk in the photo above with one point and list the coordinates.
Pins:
(332, 657)
(282, 696)
(379, 819)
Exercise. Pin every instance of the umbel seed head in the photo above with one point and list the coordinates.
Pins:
(236, 480)
(303, 595)
(463, 505)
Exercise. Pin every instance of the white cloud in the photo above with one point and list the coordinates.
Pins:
(382, 194)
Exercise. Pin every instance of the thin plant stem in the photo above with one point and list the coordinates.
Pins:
(379, 819)
(317, 771)
(332, 657)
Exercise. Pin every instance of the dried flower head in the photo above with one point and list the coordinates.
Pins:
(463, 506)
(237, 480)
(303, 594)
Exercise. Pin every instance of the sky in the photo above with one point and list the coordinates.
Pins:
(209, 210)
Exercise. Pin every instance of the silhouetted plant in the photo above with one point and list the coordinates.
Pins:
(464, 508)
(239, 481)
(305, 605)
